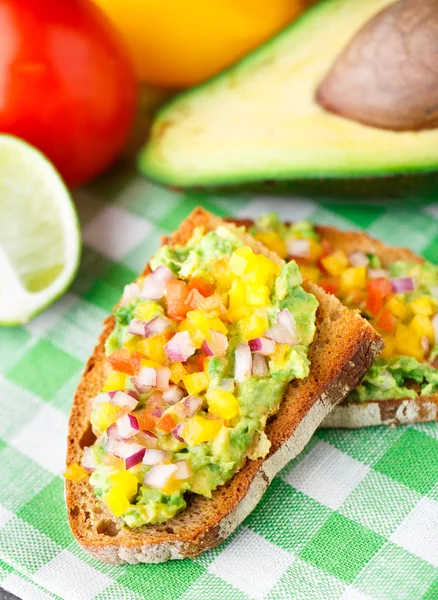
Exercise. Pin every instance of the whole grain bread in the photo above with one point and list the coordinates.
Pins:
(352, 415)
(343, 348)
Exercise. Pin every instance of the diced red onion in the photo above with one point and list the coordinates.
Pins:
(123, 399)
(183, 471)
(377, 273)
(157, 326)
(113, 432)
(227, 385)
(158, 412)
(243, 363)
(105, 397)
(425, 343)
(153, 457)
(435, 327)
(260, 365)
(88, 459)
(216, 345)
(146, 439)
(180, 347)
(137, 327)
(173, 395)
(195, 298)
(262, 345)
(154, 284)
(163, 376)
(300, 248)
(130, 292)
(127, 426)
(192, 404)
(145, 380)
(132, 454)
(159, 475)
(177, 431)
(359, 259)
(400, 285)
(285, 332)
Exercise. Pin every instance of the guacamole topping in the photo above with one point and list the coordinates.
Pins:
(200, 355)
(400, 300)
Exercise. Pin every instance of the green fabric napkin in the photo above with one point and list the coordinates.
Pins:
(354, 517)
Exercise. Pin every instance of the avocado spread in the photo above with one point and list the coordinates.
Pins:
(400, 300)
(202, 350)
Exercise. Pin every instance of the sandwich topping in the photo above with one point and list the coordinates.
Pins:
(399, 300)
(201, 353)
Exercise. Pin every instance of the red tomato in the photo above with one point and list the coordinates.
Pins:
(166, 423)
(198, 283)
(177, 293)
(387, 321)
(378, 290)
(328, 285)
(122, 361)
(66, 83)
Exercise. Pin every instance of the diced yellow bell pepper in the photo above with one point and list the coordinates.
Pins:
(116, 501)
(152, 364)
(310, 273)
(104, 415)
(353, 278)
(272, 240)
(237, 264)
(389, 349)
(397, 307)
(422, 326)
(257, 295)
(253, 326)
(222, 273)
(222, 404)
(196, 382)
(406, 342)
(198, 325)
(177, 372)
(172, 486)
(315, 250)
(261, 270)
(279, 356)
(115, 381)
(238, 309)
(422, 306)
(126, 481)
(335, 263)
(146, 310)
(199, 429)
(75, 472)
(153, 347)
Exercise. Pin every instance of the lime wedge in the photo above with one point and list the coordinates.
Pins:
(39, 233)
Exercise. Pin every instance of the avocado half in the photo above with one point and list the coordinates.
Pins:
(258, 124)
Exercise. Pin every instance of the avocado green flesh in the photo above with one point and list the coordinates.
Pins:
(386, 379)
(259, 120)
(213, 463)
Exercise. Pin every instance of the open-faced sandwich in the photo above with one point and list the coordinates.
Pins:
(396, 291)
(214, 371)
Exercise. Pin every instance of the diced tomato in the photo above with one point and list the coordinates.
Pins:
(387, 321)
(176, 296)
(155, 400)
(200, 361)
(327, 248)
(166, 423)
(378, 290)
(146, 421)
(194, 299)
(329, 285)
(203, 286)
(121, 360)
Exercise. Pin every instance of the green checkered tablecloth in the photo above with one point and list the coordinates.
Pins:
(354, 517)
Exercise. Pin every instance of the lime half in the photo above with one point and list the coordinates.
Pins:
(39, 232)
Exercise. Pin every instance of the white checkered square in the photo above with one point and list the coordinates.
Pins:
(289, 209)
(48, 318)
(353, 594)
(5, 515)
(251, 564)
(114, 232)
(71, 578)
(17, 407)
(48, 424)
(24, 589)
(327, 475)
(418, 533)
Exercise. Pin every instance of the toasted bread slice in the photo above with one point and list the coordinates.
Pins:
(343, 348)
(351, 415)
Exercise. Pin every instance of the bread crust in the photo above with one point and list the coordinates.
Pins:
(399, 411)
(344, 347)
